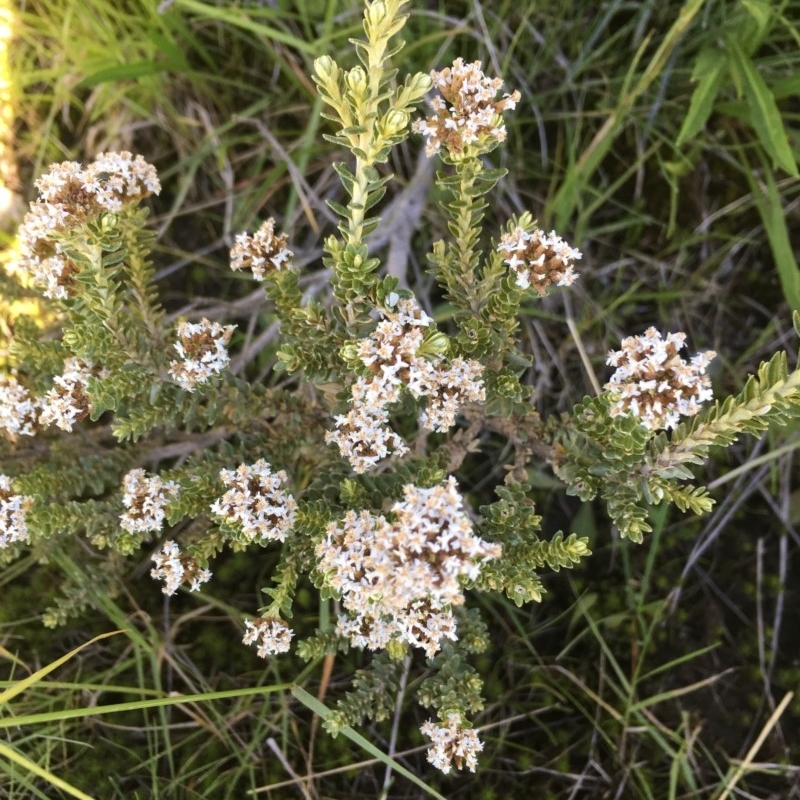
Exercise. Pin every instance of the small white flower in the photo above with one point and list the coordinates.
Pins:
(174, 568)
(272, 635)
(467, 112)
(653, 382)
(399, 580)
(452, 745)
(363, 435)
(539, 259)
(146, 500)
(391, 354)
(18, 409)
(262, 253)
(13, 509)
(67, 402)
(202, 347)
(447, 386)
(117, 178)
(69, 197)
(256, 501)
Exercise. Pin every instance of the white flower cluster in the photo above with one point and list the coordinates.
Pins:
(256, 501)
(390, 352)
(654, 383)
(467, 112)
(452, 744)
(203, 348)
(13, 508)
(146, 500)
(363, 434)
(399, 580)
(447, 389)
(64, 405)
(539, 259)
(272, 635)
(174, 568)
(67, 402)
(109, 182)
(19, 411)
(69, 196)
(262, 252)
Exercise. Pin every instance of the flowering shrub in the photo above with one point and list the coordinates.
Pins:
(339, 468)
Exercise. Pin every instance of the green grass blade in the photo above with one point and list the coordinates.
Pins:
(676, 662)
(673, 693)
(31, 680)
(240, 18)
(567, 197)
(772, 215)
(709, 70)
(761, 13)
(764, 114)
(17, 758)
(138, 705)
(125, 72)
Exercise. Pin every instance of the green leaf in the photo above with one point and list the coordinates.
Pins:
(492, 175)
(709, 70)
(62, 714)
(338, 208)
(761, 13)
(764, 114)
(127, 72)
(353, 130)
(114, 257)
(241, 18)
(772, 215)
(375, 198)
(345, 175)
(788, 86)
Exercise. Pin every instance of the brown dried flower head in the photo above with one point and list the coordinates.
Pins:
(467, 117)
(176, 568)
(262, 253)
(539, 259)
(270, 634)
(654, 383)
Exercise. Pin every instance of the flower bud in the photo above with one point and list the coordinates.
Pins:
(435, 343)
(374, 17)
(326, 69)
(356, 80)
(393, 122)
